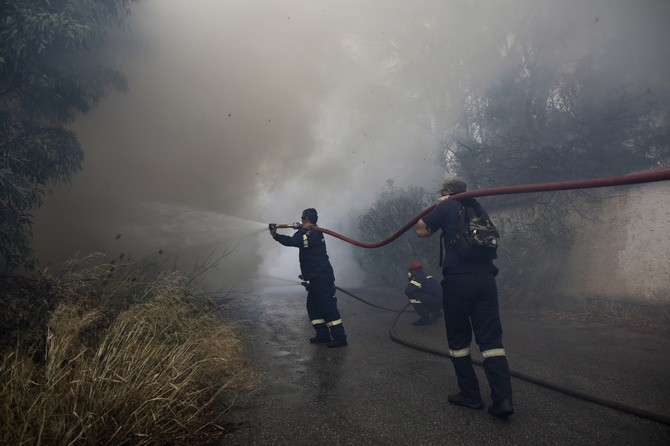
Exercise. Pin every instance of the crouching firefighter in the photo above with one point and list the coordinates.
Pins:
(424, 293)
(318, 278)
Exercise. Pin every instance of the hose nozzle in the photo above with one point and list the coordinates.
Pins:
(295, 225)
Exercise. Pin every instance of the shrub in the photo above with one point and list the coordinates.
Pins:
(159, 371)
(392, 209)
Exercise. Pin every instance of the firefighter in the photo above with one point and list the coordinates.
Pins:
(425, 294)
(318, 278)
(470, 298)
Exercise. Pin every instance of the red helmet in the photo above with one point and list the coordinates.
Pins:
(414, 265)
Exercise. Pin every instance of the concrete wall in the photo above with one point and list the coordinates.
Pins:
(627, 256)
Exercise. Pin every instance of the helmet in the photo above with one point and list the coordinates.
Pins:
(455, 185)
(414, 265)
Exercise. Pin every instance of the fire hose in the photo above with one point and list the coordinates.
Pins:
(616, 405)
(633, 178)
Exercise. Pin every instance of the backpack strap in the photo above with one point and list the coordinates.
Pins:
(461, 215)
(441, 251)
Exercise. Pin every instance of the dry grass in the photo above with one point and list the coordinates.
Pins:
(645, 316)
(161, 370)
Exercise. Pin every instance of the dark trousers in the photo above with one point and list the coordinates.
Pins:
(471, 304)
(322, 308)
(427, 307)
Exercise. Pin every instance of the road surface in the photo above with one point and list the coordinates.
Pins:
(379, 392)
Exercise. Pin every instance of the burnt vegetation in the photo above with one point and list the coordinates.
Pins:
(537, 111)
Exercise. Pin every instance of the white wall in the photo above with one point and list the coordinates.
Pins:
(627, 255)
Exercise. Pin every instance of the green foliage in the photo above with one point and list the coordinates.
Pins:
(392, 209)
(49, 72)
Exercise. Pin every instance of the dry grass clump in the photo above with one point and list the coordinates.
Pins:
(649, 316)
(160, 371)
(646, 316)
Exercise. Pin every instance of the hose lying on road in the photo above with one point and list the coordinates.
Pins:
(523, 376)
(633, 178)
(370, 303)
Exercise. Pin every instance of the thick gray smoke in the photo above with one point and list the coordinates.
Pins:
(245, 112)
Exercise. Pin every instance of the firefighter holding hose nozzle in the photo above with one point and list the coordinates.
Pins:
(317, 277)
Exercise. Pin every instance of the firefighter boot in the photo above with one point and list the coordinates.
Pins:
(425, 316)
(322, 334)
(423, 321)
(338, 334)
(318, 340)
(459, 399)
(502, 409)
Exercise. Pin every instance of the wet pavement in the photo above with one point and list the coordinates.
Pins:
(379, 392)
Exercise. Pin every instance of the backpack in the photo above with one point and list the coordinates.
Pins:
(477, 239)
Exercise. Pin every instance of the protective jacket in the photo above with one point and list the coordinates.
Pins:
(317, 272)
(313, 256)
(424, 292)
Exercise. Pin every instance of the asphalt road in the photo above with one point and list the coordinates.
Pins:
(379, 392)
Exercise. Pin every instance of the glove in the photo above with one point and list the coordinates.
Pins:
(273, 229)
(304, 282)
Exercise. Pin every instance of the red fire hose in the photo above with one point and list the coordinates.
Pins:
(633, 178)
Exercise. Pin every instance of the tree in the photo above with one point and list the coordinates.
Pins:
(49, 73)
(392, 209)
(534, 124)
(547, 117)
(525, 92)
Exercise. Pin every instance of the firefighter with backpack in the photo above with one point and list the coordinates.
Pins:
(470, 296)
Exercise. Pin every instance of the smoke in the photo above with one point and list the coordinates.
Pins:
(246, 112)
